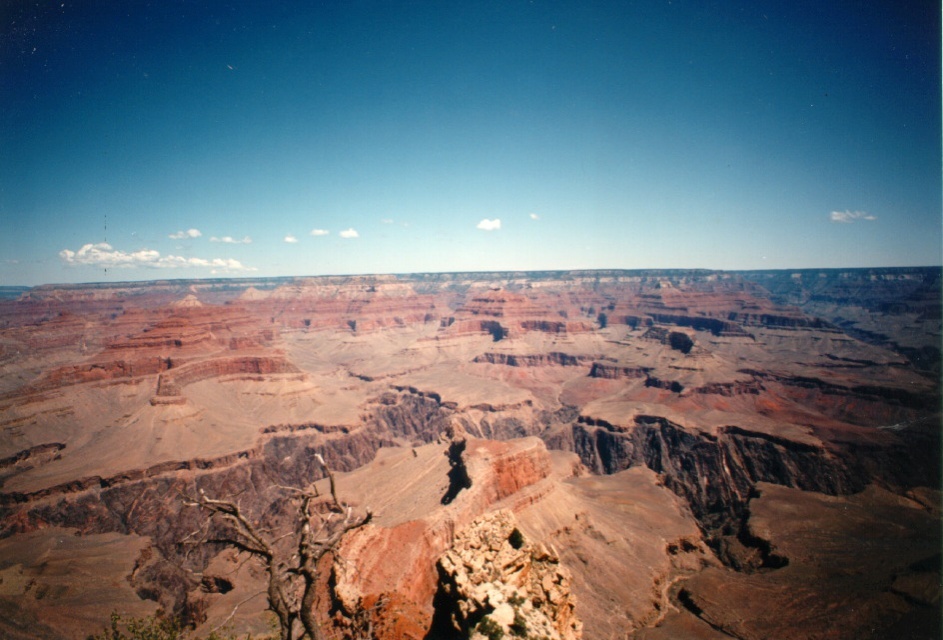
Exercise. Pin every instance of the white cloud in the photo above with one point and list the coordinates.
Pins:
(103, 254)
(319, 232)
(189, 233)
(489, 225)
(291, 239)
(349, 233)
(387, 220)
(850, 216)
(534, 216)
(231, 240)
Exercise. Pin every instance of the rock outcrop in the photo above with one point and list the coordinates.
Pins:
(493, 581)
(471, 476)
(614, 371)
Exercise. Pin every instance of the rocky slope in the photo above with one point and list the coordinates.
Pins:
(650, 436)
(493, 578)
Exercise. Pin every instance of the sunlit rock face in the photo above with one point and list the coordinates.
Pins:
(653, 437)
(494, 578)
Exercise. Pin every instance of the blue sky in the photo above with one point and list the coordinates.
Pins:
(197, 139)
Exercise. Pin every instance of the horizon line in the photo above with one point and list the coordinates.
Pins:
(484, 272)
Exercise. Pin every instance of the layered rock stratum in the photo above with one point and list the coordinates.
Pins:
(604, 454)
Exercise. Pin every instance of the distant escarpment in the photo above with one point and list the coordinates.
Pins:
(614, 371)
(172, 382)
(714, 325)
(721, 307)
(506, 314)
(27, 459)
(103, 371)
(358, 304)
(899, 308)
(880, 289)
(812, 390)
(536, 360)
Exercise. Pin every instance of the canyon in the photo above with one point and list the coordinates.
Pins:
(580, 454)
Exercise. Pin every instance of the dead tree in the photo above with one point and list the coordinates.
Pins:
(292, 569)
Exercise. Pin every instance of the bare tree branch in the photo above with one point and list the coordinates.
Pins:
(233, 612)
(292, 581)
(330, 477)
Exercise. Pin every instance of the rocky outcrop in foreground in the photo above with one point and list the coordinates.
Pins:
(493, 582)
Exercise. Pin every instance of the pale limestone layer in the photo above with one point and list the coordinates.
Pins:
(495, 576)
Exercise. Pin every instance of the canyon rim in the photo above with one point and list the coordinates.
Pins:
(595, 454)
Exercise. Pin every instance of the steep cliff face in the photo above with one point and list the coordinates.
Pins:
(410, 414)
(417, 416)
(716, 474)
(615, 371)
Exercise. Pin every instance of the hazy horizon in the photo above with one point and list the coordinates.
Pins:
(174, 141)
(484, 272)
